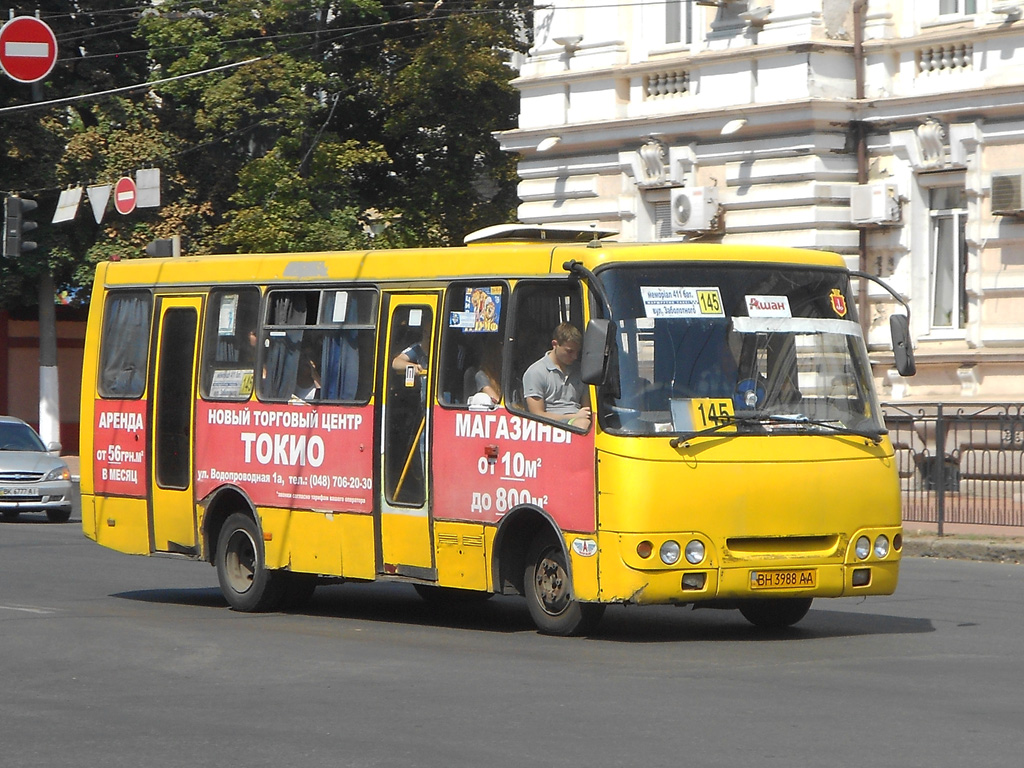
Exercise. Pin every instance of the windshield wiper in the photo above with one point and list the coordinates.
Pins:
(723, 422)
(751, 418)
(839, 429)
(798, 419)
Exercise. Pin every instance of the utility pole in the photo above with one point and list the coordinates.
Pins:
(27, 55)
(49, 391)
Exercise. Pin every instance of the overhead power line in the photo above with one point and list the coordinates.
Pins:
(128, 88)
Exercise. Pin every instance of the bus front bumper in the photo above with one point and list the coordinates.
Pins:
(623, 580)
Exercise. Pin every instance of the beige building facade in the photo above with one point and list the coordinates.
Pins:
(890, 132)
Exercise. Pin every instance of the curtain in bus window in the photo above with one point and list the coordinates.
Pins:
(282, 363)
(125, 346)
(340, 366)
(227, 352)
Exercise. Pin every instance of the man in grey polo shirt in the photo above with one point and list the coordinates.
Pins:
(552, 385)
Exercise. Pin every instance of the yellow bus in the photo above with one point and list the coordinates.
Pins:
(306, 418)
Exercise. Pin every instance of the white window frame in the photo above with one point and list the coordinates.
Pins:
(671, 25)
(950, 10)
(956, 220)
(679, 18)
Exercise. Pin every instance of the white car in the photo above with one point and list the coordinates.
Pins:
(32, 477)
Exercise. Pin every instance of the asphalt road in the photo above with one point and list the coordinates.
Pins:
(111, 660)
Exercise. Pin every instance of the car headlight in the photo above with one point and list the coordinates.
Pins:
(694, 552)
(881, 546)
(670, 552)
(863, 548)
(58, 473)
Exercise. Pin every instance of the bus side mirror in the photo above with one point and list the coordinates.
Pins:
(597, 347)
(902, 349)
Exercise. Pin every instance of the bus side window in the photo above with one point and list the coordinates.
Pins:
(346, 349)
(124, 345)
(287, 313)
(229, 347)
(538, 308)
(472, 344)
(318, 345)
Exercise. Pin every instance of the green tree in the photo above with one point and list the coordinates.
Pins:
(96, 52)
(311, 121)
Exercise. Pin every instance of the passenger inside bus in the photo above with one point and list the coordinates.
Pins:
(413, 356)
(307, 377)
(487, 377)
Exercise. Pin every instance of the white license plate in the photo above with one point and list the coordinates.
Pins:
(16, 492)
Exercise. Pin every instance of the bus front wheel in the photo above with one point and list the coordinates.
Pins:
(549, 595)
(775, 614)
(241, 567)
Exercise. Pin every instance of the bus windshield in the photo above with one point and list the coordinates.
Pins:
(750, 349)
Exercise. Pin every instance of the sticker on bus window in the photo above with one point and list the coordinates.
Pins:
(228, 315)
(481, 311)
(838, 302)
(699, 413)
(768, 306)
(677, 301)
(231, 383)
(340, 307)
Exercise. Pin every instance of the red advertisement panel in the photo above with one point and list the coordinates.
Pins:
(302, 457)
(120, 440)
(486, 463)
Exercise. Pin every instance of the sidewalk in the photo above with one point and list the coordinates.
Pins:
(988, 543)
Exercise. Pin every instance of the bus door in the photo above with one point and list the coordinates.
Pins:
(405, 520)
(172, 417)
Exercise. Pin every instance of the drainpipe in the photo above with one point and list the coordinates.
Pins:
(861, 137)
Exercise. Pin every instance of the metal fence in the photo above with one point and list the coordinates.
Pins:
(959, 463)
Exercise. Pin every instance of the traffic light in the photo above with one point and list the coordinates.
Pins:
(170, 246)
(16, 225)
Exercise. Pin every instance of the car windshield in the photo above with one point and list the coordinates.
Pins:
(19, 437)
(766, 350)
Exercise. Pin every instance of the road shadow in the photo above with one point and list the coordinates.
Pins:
(400, 604)
(387, 603)
(629, 624)
(37, 518)
(203, 597)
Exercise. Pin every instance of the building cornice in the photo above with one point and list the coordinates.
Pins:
(685, 58)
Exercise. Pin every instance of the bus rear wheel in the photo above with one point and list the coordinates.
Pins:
(775, 614)
(241, 567)
(549, 595)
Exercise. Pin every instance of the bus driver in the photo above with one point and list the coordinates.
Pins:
(552, 386)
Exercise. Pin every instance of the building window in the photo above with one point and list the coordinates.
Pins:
(958, 7)
(679, 22)
(948, 243)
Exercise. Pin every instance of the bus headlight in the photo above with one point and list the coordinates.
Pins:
(881, 546)
(863, 548)
(670, 552)
(694, 552)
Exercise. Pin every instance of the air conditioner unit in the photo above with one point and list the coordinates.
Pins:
(1006, 194)
(695, 209)
(874, 204)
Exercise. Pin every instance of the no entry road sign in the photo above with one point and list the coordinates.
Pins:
(28, 49)
(125, 195)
